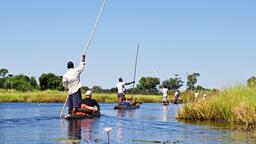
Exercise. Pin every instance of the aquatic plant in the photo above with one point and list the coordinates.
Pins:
(234, 105)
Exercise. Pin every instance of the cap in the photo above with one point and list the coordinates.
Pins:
(88, 93)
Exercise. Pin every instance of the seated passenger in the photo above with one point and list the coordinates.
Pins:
(135, 102)
(125, 102)
(88, 104)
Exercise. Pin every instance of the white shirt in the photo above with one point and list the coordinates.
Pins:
(196, 94)
(165, 92)
(71, 79)
(120, 87)
(176, 93)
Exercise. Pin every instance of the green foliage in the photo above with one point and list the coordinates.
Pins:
(50, 81)
(20, 83)
(251, 82)
(33, 82)
(2, 80)
(148, 85)
(84, 89)
(201, 88)
(3, 72)
(234, 105)
(97, 89)
(149, 82)
(192, 80)
(173, 83)
(60, 96)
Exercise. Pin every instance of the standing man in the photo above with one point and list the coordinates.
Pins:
(165, 95)
(176, 96)
(71, 82)
(120, 90)
(196, 94)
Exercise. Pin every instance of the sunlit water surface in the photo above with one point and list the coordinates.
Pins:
(25, 123)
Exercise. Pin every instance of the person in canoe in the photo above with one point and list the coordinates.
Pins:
(120, 86)
(88, 105)
(71, 82)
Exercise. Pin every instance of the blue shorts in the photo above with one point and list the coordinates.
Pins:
(74, 99)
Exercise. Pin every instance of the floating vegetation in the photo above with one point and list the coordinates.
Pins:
(158, 141)
(66, 140)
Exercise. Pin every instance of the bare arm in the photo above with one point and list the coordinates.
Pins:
(129, 83)
(81, 66)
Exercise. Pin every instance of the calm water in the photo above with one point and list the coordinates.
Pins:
(25, 123)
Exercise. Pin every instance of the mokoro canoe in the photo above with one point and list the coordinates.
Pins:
(131, 107)
(165, 103)
(179, 101)
(78, 117)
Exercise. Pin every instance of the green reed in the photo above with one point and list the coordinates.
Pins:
(234, 105)
(52, 96)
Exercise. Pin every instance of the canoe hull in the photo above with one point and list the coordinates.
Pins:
(127, 107)
(78, 117)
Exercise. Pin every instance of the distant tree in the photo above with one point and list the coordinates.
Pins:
(50, 81)
(148, 84)
(84, 89)
(2, 81)
(97, 89)
(192, 80)
(20, 83)
(251, 82)
(173, 83)
(34, 82)
(113, 90)
(10, 75)
(3, 72)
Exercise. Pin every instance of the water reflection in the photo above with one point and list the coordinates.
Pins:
(121, 114)
(165, 113)
(78, 129)
(74, 130)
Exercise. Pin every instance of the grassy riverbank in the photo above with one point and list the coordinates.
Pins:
(60, 96)
(234, 105)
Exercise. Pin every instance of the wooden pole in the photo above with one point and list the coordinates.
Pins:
(94, 27)
(135, 67)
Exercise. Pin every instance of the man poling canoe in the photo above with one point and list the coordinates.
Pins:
(71, 82)
(120, 86)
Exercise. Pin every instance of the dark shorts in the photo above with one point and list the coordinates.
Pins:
(74, 99)
(120, 97)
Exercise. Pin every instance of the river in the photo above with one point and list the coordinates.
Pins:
(39, 123)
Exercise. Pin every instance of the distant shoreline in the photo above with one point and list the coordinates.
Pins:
(54, 96)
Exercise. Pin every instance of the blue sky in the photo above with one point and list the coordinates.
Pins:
(215, 38)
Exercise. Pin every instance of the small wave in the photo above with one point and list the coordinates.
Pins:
(30, 119)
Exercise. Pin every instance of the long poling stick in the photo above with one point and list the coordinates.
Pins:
(94, 27)
(87, 45)
(135, 68)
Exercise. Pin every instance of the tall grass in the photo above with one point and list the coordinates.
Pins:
(60, 96)
(234, 105)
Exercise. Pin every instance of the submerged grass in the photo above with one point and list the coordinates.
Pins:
(60, 96)
(234, 105)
